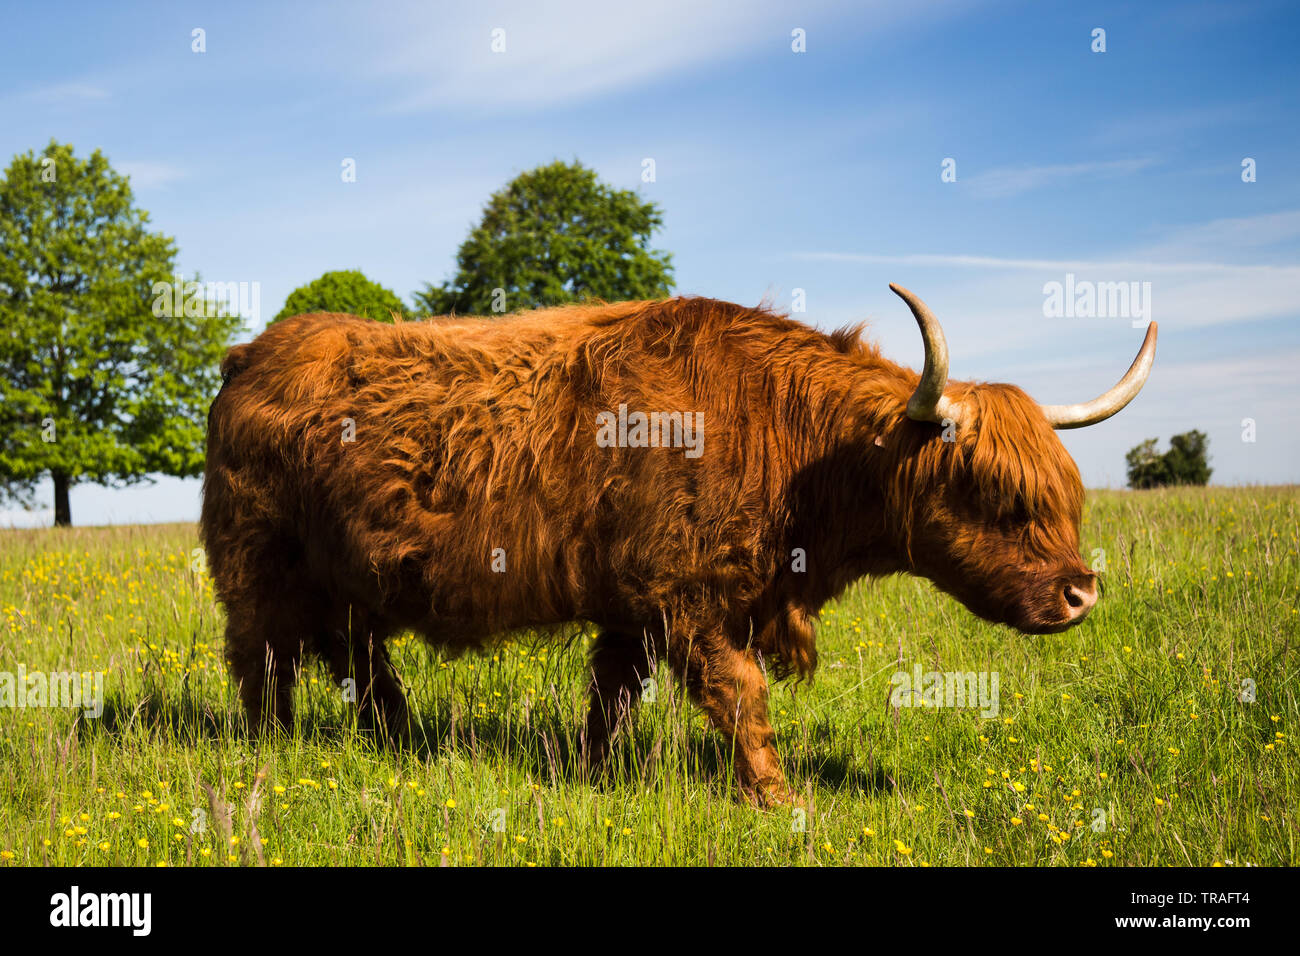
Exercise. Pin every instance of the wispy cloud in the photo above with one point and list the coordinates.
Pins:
(1173, 124)
(1192, 292)
(60, 93)
(1013, 180)
(555, 53)
(145, 174)
(1248, 234)
(999, 262)
(550, 56)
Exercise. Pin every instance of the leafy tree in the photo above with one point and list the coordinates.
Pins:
(100, 379)
(1146, 466)
(344, 291)
(1187, 458)
(1185, 463)
(555, 234)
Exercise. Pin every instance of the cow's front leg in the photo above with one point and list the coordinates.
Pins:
(620, 663)
(729, 686)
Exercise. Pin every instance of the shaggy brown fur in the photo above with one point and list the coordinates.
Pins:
(473, 435)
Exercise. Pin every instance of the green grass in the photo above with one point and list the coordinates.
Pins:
(1138, 714)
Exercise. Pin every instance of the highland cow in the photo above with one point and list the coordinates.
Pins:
(459, 478)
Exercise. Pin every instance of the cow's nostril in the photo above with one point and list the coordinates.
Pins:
(1079, 600)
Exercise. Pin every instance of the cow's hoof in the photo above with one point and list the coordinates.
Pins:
(773, 794)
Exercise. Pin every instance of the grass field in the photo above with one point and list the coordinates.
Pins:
(1159, 732)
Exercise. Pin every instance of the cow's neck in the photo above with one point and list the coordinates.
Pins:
(842, 430)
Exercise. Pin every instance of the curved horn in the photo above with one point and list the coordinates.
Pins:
(1104, 406)
(927, 403)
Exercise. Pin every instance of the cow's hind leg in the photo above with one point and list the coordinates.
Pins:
(728, 684)
(358, 660)
(620, 664)
(265, 633)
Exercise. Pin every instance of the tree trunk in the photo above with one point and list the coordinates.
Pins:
(62, 507)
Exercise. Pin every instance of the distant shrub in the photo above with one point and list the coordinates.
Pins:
(1185, 463)
(347, 291)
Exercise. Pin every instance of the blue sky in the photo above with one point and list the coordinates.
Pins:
(776, 170)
